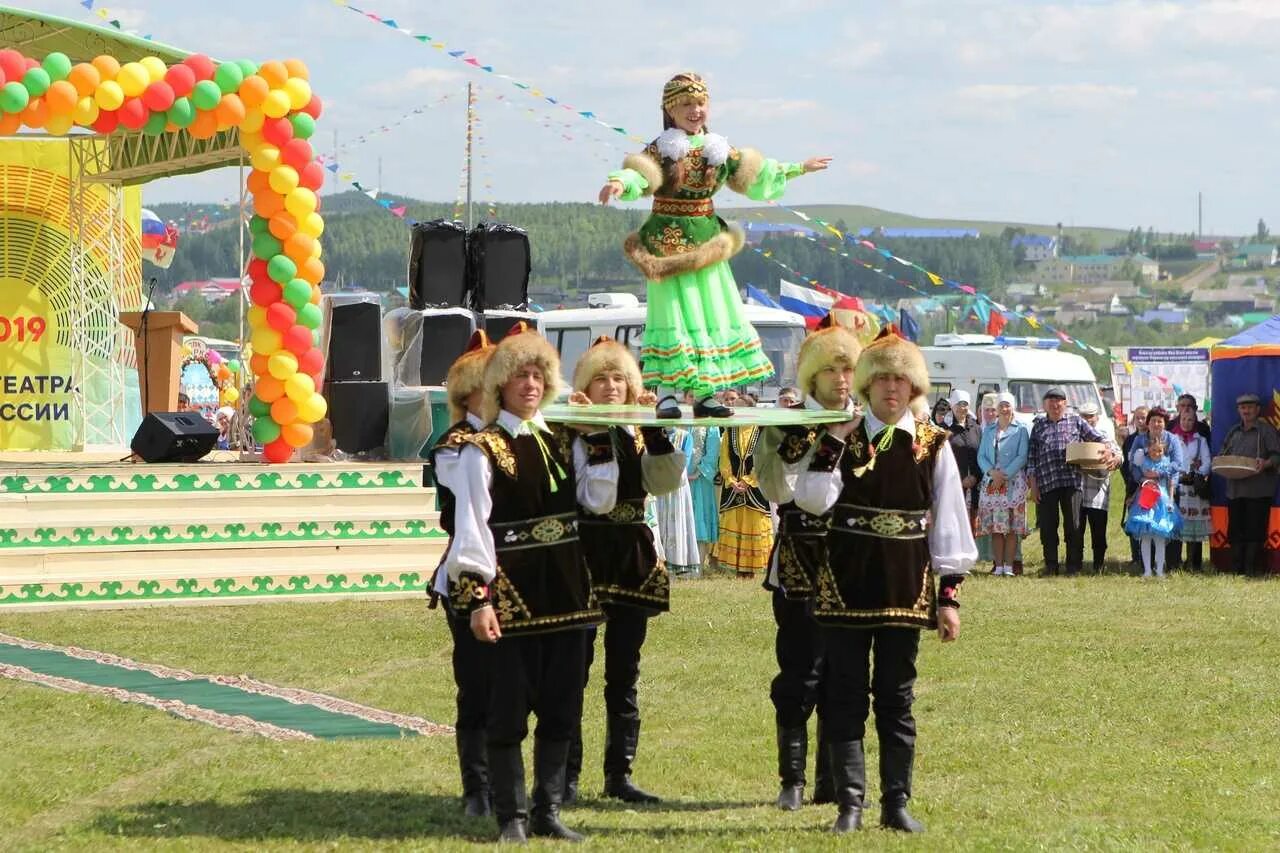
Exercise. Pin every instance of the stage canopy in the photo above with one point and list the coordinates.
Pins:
(1262, 339)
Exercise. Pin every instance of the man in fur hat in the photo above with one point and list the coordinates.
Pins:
(898, 518)
(626, 574)
(470, 656)
(520, 574)
(826, 362)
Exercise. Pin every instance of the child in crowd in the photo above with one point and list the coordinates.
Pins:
(1154, 519)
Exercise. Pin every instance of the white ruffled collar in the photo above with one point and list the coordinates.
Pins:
(673, 144)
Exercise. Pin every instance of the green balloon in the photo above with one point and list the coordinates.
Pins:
(309, 315)
(297, 292)
(233, 365)
(155, 124)
(206, 94)
(182, 113)
(228, 77)
(247, 66)
(37, 81)
(303, 125)
(259, 224)
(281, 269)
(14, 97)
(57, 66)
(266, 246)
(265, 430)
(259, 408)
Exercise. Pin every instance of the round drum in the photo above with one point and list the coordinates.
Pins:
(1087, 455)
(1235, 467)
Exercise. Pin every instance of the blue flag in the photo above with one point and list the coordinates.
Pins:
(908, 326)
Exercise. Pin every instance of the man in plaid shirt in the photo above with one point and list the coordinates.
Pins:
(1055, 487)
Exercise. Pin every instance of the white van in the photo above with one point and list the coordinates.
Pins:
(621, 316)
(1025, 367)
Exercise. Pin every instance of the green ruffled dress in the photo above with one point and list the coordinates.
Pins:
(697, 337)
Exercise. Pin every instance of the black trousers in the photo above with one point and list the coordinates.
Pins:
(624, 631)
(542, 673)
(852, 685)
(798, 646)
(1065, 502)
(1247, 521)
(470, 673)
(1095, 520)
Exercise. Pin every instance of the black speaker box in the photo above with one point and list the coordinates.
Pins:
(438, 265)
(498, 323)
(500, 264)
(355, 342)
(173, 437)
(444, 337)
(359, 413)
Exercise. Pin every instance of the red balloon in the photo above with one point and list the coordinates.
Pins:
(12, 64)
(313, 107)
(264, 293)
(277, 451)
(108, 121)
(202, 65)
(133, 113)
(29, 63)
(311, 176)
(318, 378)
(277, 131)
(258, 270)
(311, 362)
(297, 153)
(181, 78)
(281, 316)
(158, 96)
(298, 340)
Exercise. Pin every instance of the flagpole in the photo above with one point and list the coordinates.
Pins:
(471, 115)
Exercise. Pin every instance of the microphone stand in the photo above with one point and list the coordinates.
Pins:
(146, 348)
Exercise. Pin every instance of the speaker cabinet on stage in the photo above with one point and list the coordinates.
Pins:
(355, 342)
(500, 264)
(359, 413)
(438, 265)
(173, 437)
(445, 334)
(497, 323)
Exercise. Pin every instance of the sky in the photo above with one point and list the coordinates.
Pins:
(1105, 113)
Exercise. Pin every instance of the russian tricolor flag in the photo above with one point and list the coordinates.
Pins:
(808, 303)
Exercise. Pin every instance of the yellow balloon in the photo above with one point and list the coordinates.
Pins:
(230, 396)
(250, 140)
(58, 125)
(312, 409)
(265, 157)
(253, 120)
(312, 225)
(298, 91)
(133, 78)
(301, 202)
(277, 104)
(155, 68)
(316, 249)
(86, 112)
(299, 387)
(266, 340)
(284, 179)
(109, 95)
(257, 318)
(282, 365)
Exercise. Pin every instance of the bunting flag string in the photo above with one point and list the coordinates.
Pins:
(384, 129)
(110, 19)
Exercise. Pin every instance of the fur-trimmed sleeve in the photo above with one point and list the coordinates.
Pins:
(648, 167)
(746, 170)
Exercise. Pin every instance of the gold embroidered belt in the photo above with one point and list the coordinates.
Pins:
(683, 206)
(880, 523)
(629, 511)
(800, 523)
(535, 532)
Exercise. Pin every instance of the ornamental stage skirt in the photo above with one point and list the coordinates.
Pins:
(697, 337)
(746, 540)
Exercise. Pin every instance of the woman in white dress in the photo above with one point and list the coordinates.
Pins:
(676, 527)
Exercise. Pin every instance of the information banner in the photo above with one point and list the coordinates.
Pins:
(1157, 376)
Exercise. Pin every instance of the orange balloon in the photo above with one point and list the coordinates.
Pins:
(297, 68)
(257, 182)
(299, 246)
(205, 125)
(36, 113)
(108, 66)
(253, 91)
(316, 295)
(258, 364)
(282, 226)
(268, 204)
(10, 122)
(295, 435)
(284, 410)
(61, 97)
(269, 389)
(274, 72)
(311, 271)
(85, 78)
(230, 111)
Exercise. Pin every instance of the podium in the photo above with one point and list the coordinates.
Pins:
(159, 355)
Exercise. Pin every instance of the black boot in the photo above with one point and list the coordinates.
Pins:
(621, 739)
(548, 787)
(474, 761)
(824, 790)
(668, 408)
(895, 788)
(793, 745)
(849, 779)
(572, 769)
(506, 781)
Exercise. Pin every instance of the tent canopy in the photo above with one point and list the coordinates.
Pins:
(1262, 339)
(37, 34)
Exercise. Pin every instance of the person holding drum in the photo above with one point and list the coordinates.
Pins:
(1249, 498)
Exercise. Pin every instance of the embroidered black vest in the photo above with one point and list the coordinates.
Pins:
(800, 546)
(452, 440)
(542, 581)
(877, 571)
(742, 464)
(619, 545)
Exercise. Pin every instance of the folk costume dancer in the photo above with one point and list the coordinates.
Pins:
(746, 522)
(697, 337)
(519, 571)
(629, 580)
(825, 369)
(898, 519)
(470, 656)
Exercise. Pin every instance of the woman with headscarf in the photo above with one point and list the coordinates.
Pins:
(1002, 496)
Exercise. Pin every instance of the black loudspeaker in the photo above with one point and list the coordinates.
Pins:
(498, 323)
(438, 265)
(500, 264)
(444, 337)
(355, 343)
(359, 413)
(173, 437)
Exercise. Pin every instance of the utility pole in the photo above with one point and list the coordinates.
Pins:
(1200, 216)
(471, 118)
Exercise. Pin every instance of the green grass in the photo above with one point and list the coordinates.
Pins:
(1090, 713)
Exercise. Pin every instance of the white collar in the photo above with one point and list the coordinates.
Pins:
(673, 144)
(475, 420)
(516, 427)
(811, 403)
(906, 423)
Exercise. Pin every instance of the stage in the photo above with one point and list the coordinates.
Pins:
(82, 529)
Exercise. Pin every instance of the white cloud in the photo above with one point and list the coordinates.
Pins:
(857, 56)
(762, 109)
(861, 168)
(413, 80)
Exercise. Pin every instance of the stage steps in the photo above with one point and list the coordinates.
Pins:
(117, 534)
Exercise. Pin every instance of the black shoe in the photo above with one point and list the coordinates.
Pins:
(848, 819)
(895, 788)
(510, 806)
(621, 740)
(793, 747)
(548, 789)
(1049, 571)
(849, 779)
(476, 805)
(711, 408)
(621, 788)
(897, 817)
(790, 797)
(513, 832)
(570, 793)
(473, 760)
(668, 409)
(1097, 567)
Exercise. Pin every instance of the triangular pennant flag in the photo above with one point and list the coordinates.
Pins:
(398, 211)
